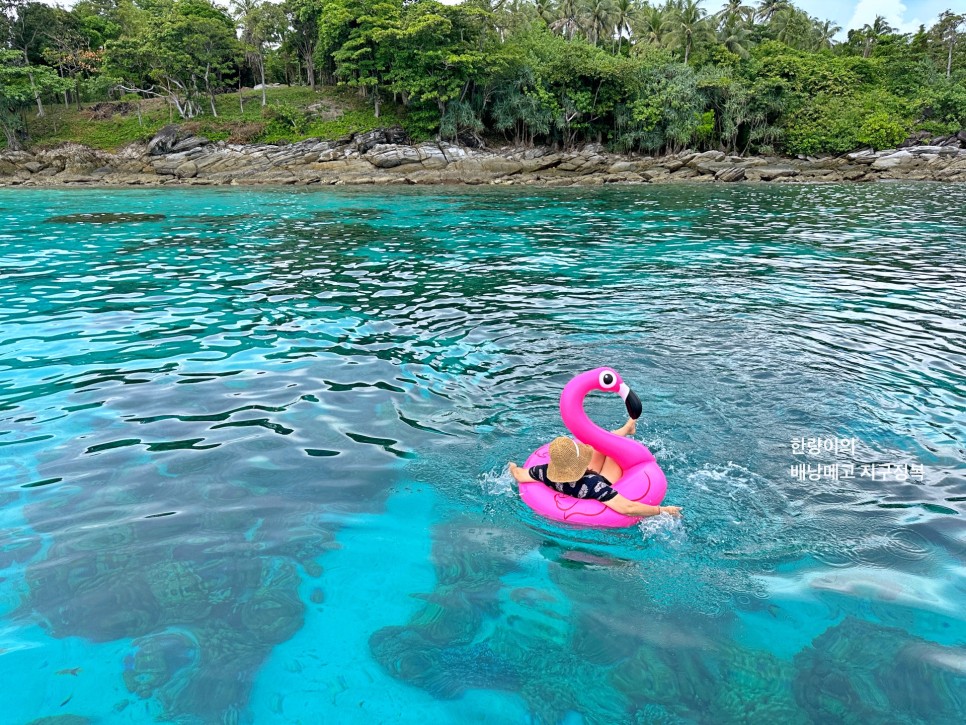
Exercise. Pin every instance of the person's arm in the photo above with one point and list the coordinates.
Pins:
(625, 506)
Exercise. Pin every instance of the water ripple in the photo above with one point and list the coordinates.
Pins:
(196, 398)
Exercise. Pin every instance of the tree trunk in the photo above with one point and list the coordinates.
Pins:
(77, 98)
(13, 141)
(949, 60)
(40, 104)
(377, 101)
(307, 56)
(261, 70)
(211, 93)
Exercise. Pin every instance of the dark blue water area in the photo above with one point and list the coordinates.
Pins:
(253, 448)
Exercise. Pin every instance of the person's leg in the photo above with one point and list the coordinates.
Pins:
(607, 467)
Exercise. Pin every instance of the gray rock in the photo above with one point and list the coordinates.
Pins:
(379, 136)
(696, 159)
(735, 173)
(187, 170)
(388, 156)
(862, 157)
(770, 173)
(943, 150)
(187, 144)
(164, 140)
(895, 160)
(431, 156)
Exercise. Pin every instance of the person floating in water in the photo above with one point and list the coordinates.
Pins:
(580, 471)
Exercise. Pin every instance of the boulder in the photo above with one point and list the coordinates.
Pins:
(655, 173)
(187, 170)
(431, 156)
(770, 173)
(499, 165)
(164, 140)
(622, 166)
(897, 160)
(735, 173)
(695, 159)
(380, 136)
(388, 156)
(862, 157)
(187, 144)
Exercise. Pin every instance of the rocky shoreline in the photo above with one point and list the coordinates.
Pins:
(384, 157)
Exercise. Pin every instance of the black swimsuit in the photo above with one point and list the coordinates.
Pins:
(590, 485)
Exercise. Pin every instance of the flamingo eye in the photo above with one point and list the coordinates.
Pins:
(607, 379)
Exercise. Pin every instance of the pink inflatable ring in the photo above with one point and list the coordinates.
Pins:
(642, 479)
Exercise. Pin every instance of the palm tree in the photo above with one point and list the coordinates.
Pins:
(568, 19)
(625, 11)
(792, 27)
(545, 10)
(653, 24)
(597, 19)
(873, 32)
(735, 35)
(768, 8)
(735, 10)
(824, 33)
(688, 26)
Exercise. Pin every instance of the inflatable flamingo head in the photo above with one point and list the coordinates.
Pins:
(608, 381)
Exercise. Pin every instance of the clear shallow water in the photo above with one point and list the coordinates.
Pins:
(252, 451)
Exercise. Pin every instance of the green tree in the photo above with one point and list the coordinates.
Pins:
(689, 27)
(303, 19)
(260, 24)
(179, 54)
(27, 25)
(949, 28)
(735, 34)
(653, 25)
(434, 57)
(598, 18)
(364, 59)
(19, 85)
(871, 34)
(767, 9)
(824, 33)
(624, 15)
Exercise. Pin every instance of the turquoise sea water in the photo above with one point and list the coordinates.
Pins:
(252, 451)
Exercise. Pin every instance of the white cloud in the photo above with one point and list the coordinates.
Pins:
(894, 11)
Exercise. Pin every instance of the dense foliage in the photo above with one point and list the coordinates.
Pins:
(636, 76)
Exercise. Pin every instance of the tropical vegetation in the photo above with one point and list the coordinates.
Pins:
(633, 75)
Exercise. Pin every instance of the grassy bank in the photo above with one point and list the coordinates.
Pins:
(292, 114)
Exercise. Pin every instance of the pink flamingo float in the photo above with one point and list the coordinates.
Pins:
(641, 480)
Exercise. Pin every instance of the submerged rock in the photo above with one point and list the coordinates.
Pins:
(104, 218)
(858, 671)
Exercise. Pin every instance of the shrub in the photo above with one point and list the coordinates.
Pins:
(288, 117)
(245, 132)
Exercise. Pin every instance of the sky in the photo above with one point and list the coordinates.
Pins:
(906, 15)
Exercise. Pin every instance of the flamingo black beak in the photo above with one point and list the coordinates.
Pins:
(631, 401)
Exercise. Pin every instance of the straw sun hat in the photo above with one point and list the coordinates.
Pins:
(568, 460)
